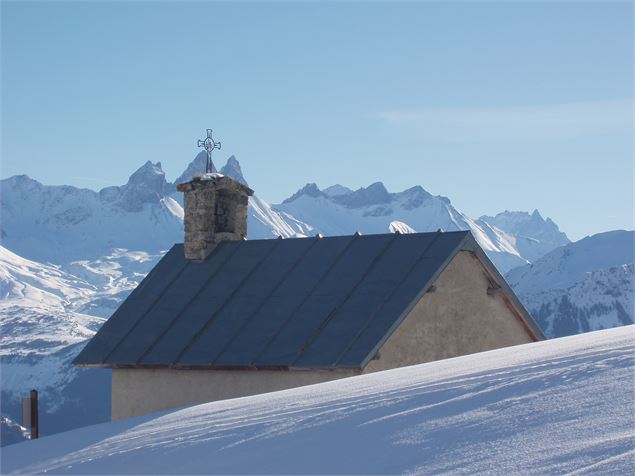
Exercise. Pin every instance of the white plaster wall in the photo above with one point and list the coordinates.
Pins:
(458, 318)
(141, 391)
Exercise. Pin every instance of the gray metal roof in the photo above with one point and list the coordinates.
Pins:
(296, 303)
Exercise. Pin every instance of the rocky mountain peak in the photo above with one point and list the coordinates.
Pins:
(197, 166)
(337, 189)
(232, 169)
(310, 190)
(374, 194)
(413, 197)
(146, 185)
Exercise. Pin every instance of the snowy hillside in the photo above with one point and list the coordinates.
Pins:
(11, 432)
(38, 300)
(338, 210)
(583, 286)
(41, 331)
(552, 407)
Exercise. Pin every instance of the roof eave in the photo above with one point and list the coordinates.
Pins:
(277, 368)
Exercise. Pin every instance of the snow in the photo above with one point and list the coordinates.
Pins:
(372, 210)
(533, 235)
(173, 207)
(11, 432)
(400, 227)
(43, 325)
(265, 222)
(569, 264)
(552, 407)
(583, 286)
(209, 176)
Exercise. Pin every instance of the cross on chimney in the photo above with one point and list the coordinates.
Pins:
(209, 145)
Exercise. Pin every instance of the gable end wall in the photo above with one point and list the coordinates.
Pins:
(457, 318)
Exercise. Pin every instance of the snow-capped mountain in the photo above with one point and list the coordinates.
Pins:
(59, 224)
(197, 166)
(262, 220)
(533, 235)
(580, 287)
(62, 224)
(338, 210)
(41, 331)
(232, 169)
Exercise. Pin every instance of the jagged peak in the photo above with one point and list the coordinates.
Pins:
(416, 191)
(412, 197)
(536, 215)
(337, 189)
(146, 170)
(519, 216)
(20, 180)
(310, 189)
(232, 169)
(376, 193)
(376, 187)
(146, 185)
(195, 167)
(233, 161)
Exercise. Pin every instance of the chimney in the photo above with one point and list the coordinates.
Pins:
(215, 210)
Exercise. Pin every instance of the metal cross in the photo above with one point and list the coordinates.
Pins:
(209, 145)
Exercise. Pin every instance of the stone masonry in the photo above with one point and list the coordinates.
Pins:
(215, 210)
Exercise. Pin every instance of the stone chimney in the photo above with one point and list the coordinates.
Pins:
(215, 210)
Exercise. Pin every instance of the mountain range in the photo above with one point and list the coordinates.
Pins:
(64, 224)
(583, 286)
(69, 256)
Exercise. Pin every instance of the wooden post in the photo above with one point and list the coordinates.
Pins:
(34, 415)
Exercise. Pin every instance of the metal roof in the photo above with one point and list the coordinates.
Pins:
(296, 303)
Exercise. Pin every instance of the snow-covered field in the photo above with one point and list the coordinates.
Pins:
(554, 407)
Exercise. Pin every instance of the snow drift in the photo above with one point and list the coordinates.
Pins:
(553, 407)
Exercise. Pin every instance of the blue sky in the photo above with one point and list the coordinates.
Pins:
(496, 105)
